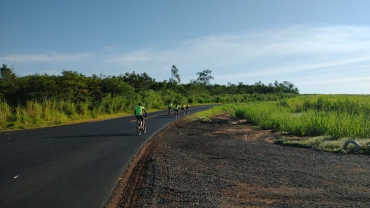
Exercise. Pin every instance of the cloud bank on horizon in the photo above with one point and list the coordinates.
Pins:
(315, 58)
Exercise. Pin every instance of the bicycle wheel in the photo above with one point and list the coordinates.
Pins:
(144, 129)
(138, 129)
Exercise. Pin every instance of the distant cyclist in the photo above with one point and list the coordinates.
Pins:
(176, 108)
(187, 108)
(183, 109)
(139, 113)
(169, 108)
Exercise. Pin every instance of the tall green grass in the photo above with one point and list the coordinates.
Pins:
(51, 112)
(329, 119)
(337, 116)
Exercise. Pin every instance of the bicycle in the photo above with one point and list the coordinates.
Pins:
(187, 108)
(140, 128)
(169, 111)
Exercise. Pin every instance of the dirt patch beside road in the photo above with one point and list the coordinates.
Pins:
(226, 163)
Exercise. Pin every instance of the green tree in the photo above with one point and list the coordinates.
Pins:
(8, 84)
(232, 88)
(116, 86)
(175, 75)
(73, 86)
(38, 87)
(204, 77)
(94, 87)
(139, 81)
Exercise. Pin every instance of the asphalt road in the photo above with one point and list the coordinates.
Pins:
(73, 165)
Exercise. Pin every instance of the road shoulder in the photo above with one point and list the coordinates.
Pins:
(227, 163)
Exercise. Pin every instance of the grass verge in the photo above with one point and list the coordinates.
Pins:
(298, 129)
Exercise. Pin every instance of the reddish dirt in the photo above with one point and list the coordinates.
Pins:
(228, 163)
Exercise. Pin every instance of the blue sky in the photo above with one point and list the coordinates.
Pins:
(319, 46)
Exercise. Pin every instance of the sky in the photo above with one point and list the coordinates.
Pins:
(321, 46)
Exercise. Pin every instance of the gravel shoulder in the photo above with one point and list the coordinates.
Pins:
(227, 163)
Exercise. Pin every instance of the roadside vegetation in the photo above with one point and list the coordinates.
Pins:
(40, 100)
(323, 122)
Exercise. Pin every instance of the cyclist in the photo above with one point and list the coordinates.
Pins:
(139, 113)
(169, 108)
(187, 108)
(183, 109)
(176, 108)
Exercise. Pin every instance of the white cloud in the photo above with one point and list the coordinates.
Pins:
(297, 43)
(52, 57)
(134, 57)
(305, 53)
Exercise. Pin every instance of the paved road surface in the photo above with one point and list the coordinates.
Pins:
(70, 166)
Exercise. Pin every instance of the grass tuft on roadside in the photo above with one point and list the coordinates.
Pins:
(205, 116)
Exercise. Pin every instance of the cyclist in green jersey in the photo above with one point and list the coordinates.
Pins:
(139, 113)
(176, 108)
(169, 107)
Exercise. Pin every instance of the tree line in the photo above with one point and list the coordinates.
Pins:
(76, 87)
(42, 100)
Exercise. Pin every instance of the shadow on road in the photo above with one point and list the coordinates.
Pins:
(167, 116)
(96, 135)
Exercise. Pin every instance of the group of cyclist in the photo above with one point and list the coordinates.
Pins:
(184, 108)
(140, 109)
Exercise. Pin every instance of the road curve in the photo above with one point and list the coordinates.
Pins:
(73, 165)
